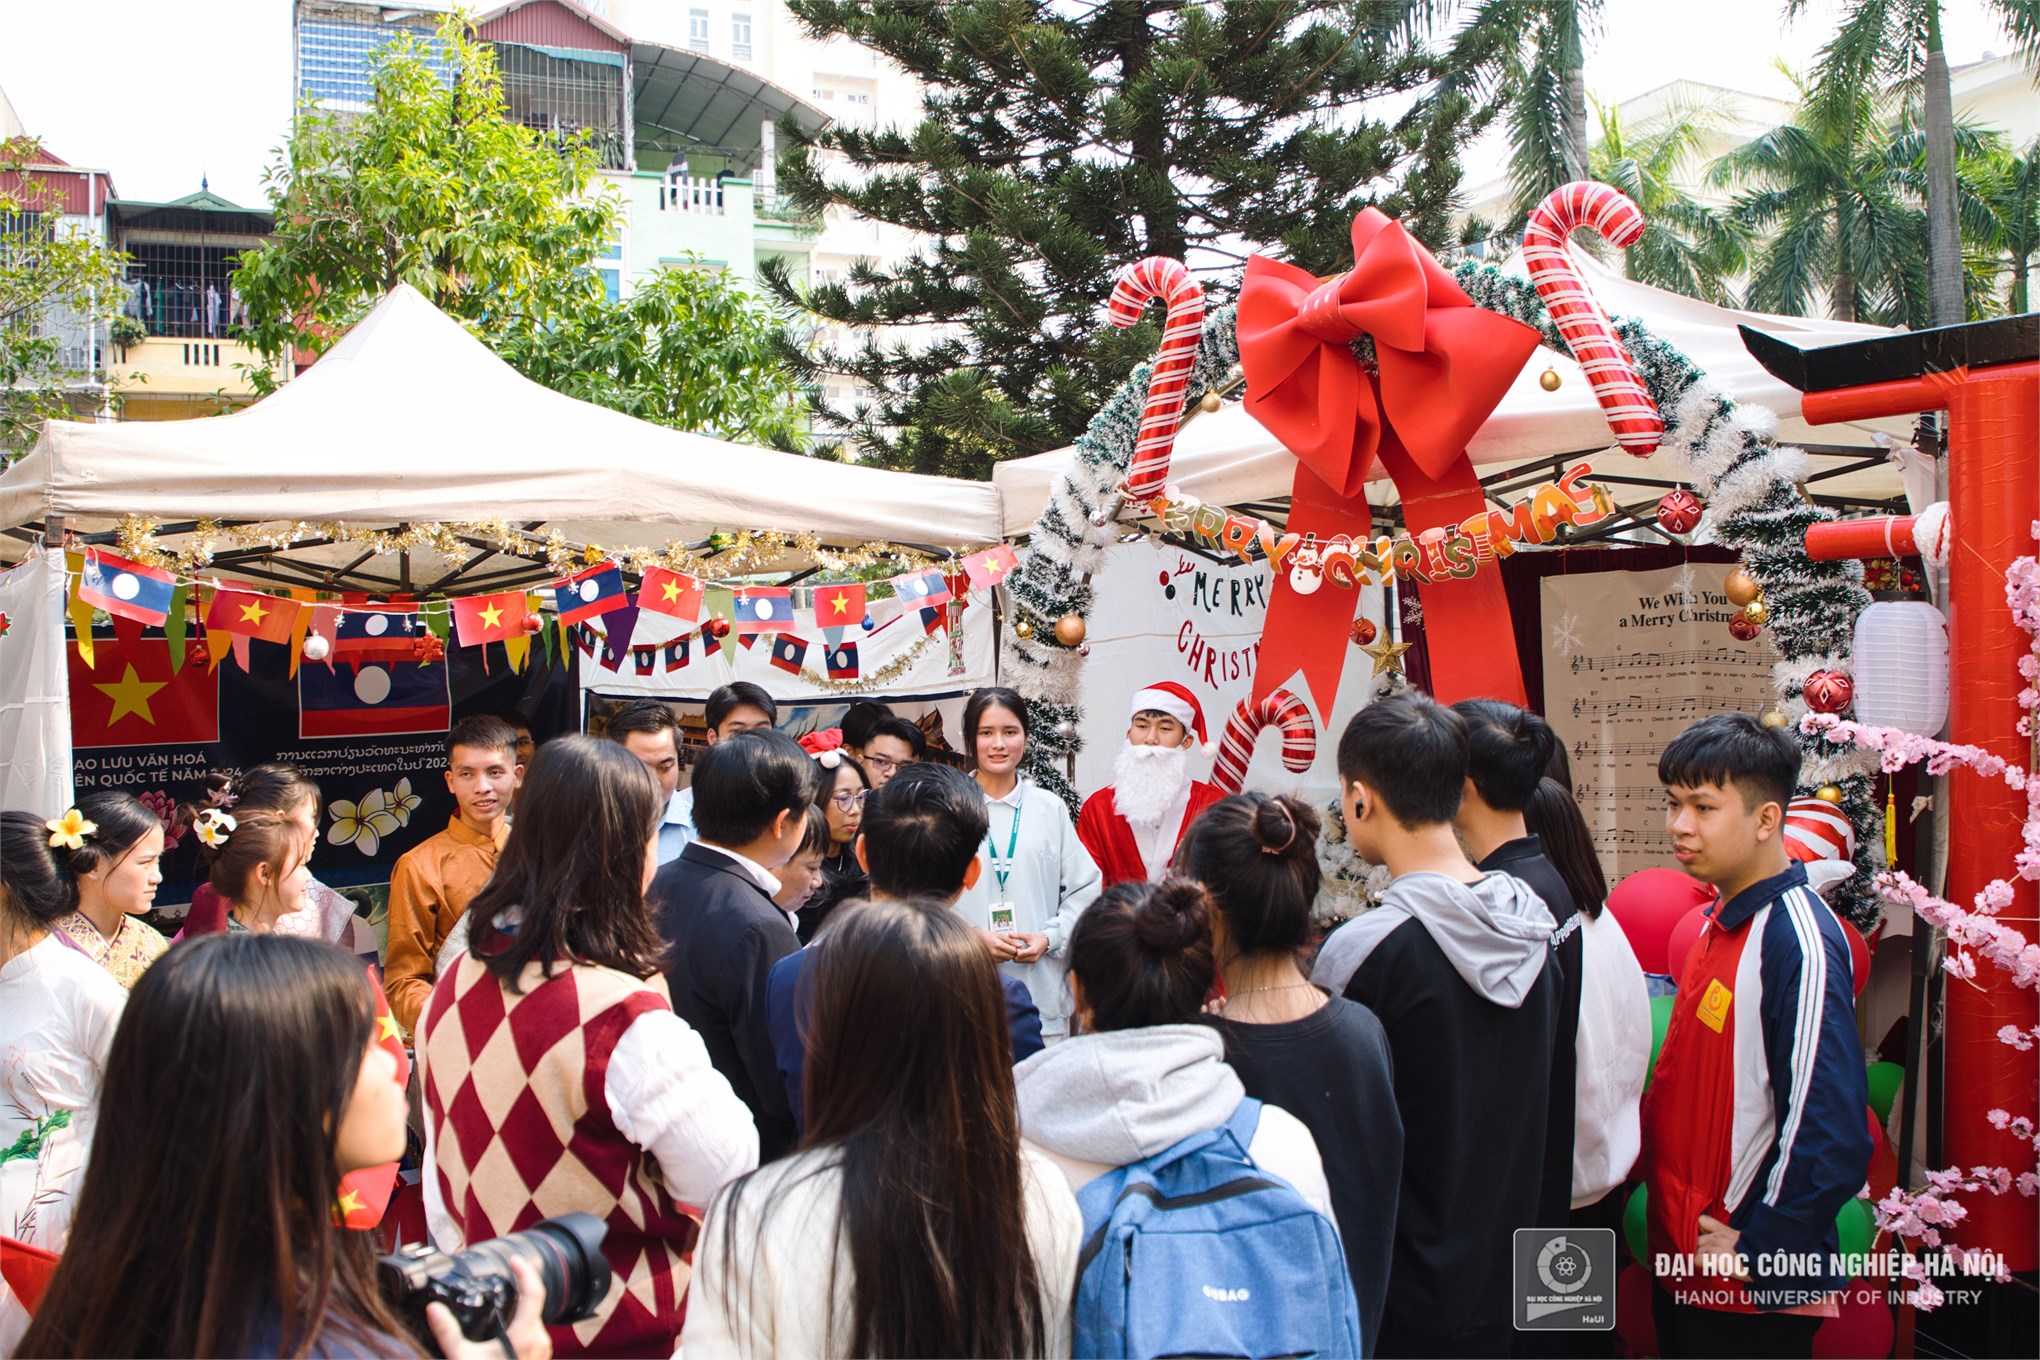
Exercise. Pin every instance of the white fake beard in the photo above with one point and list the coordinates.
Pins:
(1147, 780)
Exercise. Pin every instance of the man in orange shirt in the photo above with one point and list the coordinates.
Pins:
(433, 883)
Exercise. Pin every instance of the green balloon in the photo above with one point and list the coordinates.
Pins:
(1885, 1079)
(1853, 1226)
(1660, 1021)
(1634, 1231)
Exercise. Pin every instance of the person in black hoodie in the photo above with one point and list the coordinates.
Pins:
(1507, 749)
(1454, 963)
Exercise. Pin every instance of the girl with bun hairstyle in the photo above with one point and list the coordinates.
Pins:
(258, 867)
(113, 874)
(275, 787)
(1322, 1058)
(61, 1010)
(1139, 1073)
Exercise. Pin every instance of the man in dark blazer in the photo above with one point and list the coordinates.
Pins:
(714, 908)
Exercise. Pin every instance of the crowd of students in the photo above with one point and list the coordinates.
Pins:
(858, 1054)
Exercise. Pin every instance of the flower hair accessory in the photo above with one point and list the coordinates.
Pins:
(223, 796)
(70, 830)
(826, 746)
(213, 827)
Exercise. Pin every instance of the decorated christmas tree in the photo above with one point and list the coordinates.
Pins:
(1061, 142)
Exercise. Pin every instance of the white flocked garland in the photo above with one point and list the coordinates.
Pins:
(1748, 481)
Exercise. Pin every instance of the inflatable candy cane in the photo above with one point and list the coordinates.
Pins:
(1169, 280)
(1631, 413)
(1279, 709)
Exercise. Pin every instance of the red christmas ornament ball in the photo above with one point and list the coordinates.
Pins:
(1828, 691)
(1679, 512)
(717, 627)
(1743, 630)
(533, 623)
(196, 654)
(1364, 632)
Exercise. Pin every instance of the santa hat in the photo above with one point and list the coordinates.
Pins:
(1178, 702)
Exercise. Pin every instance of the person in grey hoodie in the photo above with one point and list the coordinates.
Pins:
(1456, 964)
(1140, 1074)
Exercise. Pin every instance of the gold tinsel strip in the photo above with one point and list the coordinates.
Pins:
(884, 675)
(726, 557)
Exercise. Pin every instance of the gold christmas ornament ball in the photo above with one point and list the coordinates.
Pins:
(1757, 612)
(1828, 793)
(1069, 630)
(1210, 402)
(1550, 380)
(1024, 629)
(1741, 587)
(1775, 718)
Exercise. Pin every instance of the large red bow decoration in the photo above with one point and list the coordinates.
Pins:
(1442, 366)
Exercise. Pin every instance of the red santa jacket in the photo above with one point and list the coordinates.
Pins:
(1110, 839)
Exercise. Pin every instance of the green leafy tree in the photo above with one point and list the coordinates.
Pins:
(1531, 55)
(1885, 42)
(1061, 142)
(1836, 199)
(2013, 194)
(56, 285)
(1687, 246)
(688, 348)
(501, 227)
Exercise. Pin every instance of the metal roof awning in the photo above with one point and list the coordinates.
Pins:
(683, 101)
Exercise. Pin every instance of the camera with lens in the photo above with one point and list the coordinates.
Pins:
(477, 1287)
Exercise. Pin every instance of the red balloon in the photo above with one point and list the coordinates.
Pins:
(1633, 1320)
(1862, 1330)
(1648, 903)
(1883, 1158)
(1859, 954)
(1679, 944)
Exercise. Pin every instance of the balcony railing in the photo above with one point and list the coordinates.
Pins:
(689, 193)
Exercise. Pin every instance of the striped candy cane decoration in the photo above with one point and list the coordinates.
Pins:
(1279, 709)
(1169, 280)
(1631, 413)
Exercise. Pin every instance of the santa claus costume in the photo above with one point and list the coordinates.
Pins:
(1132, 827)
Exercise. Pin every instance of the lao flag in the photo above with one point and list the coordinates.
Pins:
(595, 591)
(921, 589)
(125, 588)
(842, 661)
(134, 698)
(672, 593)
(788, 652)
(839, 606)
(363, 634)
(250, 614)
(375, 699)
(990, 567)
(764, 609)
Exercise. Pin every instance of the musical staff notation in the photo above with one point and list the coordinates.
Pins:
(1651, 661)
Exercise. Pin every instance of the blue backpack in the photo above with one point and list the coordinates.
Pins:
(1197, 1251)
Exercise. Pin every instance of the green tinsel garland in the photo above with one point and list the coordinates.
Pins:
(1813, 605)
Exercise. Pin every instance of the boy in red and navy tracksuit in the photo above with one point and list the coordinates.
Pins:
(1753, 1128)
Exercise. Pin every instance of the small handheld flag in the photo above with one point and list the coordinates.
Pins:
(672, 593)
(250, 614)
(479, 619)
(990, 567)
(126, 589)
(839, 606)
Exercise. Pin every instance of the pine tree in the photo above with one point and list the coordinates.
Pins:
(1060, 142)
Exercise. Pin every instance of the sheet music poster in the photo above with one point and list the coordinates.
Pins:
(1630, 660)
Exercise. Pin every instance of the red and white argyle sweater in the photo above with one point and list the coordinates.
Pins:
(521, 1131)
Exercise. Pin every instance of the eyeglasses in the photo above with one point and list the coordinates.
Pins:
(848, 798)
(882, 764)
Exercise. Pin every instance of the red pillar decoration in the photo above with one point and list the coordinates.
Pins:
(1993, 500)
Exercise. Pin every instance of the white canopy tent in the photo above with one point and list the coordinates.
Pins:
(1226, 458)
(411, 420)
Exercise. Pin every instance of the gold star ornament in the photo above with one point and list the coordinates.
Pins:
(1387, 655)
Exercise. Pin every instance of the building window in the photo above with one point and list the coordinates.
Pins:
(697, 29)
(826, 96)
(858, 97)
(740, 37)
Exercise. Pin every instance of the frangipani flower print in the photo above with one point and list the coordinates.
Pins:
(363, 825)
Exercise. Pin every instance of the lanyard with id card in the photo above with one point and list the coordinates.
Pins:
(1002, 870)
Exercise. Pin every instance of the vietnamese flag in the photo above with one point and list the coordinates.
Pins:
(365, 1195)
(479, 619)
(133, 697)
(990, 567)
(673, 593)
(247, 613)
(839, 606)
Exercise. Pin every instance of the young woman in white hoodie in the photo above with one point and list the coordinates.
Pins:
(1139, 1074)
(911, 1221)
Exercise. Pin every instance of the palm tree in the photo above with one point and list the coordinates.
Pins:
(1686, 247)
(1532, 56)
(1885, 41)
(2014, 197)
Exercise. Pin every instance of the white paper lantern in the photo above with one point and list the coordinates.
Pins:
(1901, 667)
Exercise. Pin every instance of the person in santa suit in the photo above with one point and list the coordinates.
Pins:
(1132, 827)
